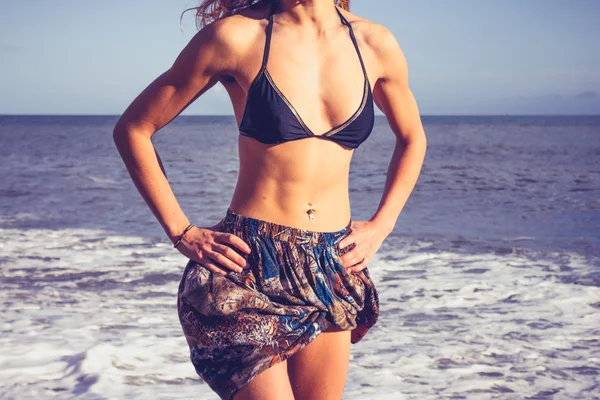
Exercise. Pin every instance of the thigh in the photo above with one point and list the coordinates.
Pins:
(271, 384)
(318, 371)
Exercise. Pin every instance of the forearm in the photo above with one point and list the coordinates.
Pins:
(147, 173)
(403, 172)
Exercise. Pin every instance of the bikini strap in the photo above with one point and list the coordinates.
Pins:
(267, 43)
(345, 22)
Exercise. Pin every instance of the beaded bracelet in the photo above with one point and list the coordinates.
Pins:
(190, 226)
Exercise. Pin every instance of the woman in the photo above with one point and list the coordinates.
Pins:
(274, 294)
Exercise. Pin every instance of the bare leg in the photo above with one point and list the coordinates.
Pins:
(271, 384)
(318, 371)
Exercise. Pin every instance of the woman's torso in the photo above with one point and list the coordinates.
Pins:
(322, 83)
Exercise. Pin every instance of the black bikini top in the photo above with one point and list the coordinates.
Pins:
(270, 118)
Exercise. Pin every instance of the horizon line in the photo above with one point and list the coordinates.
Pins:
(376, 116)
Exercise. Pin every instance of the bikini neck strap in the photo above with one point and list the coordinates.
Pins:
(269, 32)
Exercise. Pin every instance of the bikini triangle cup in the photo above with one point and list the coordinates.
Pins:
(270, 118)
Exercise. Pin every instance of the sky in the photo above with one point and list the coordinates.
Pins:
(465, 57)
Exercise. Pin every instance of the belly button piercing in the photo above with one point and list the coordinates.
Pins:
(310, 212)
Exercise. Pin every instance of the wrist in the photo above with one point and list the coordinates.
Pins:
(383, 225)
(180, 238)
(175, 230)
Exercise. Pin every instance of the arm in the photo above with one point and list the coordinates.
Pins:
(393, 96)
(209, 55)
(195, 70)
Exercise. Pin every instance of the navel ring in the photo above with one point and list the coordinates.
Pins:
(310, 213)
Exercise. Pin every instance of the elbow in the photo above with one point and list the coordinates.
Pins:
(121, 132)
(420, 141)
(118, 135)
(415, 138)
(124, 129)
(418, 137)
(423, 139)
(127, 136)
(117, 132)
(121, 136)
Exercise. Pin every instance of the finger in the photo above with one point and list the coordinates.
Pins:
(351, 258)
(214, 268)
(230, 254)
(359, 267)
(347, 241)
(234, 240)
(226, 262)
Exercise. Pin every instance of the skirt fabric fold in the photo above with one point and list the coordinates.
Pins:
(240, 324)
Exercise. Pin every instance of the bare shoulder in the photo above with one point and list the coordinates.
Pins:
(240, 27)
(231, 37)
(378, 39)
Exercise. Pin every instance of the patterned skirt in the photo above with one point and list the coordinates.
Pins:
(242, 323)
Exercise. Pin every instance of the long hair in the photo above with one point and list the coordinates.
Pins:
(212, 10)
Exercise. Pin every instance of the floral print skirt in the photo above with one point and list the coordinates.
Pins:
(239, 324)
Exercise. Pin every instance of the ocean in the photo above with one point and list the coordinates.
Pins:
(489, 285)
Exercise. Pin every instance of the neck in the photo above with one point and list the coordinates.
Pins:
(319, 13)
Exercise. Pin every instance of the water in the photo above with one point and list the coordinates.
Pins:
(489, 285)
